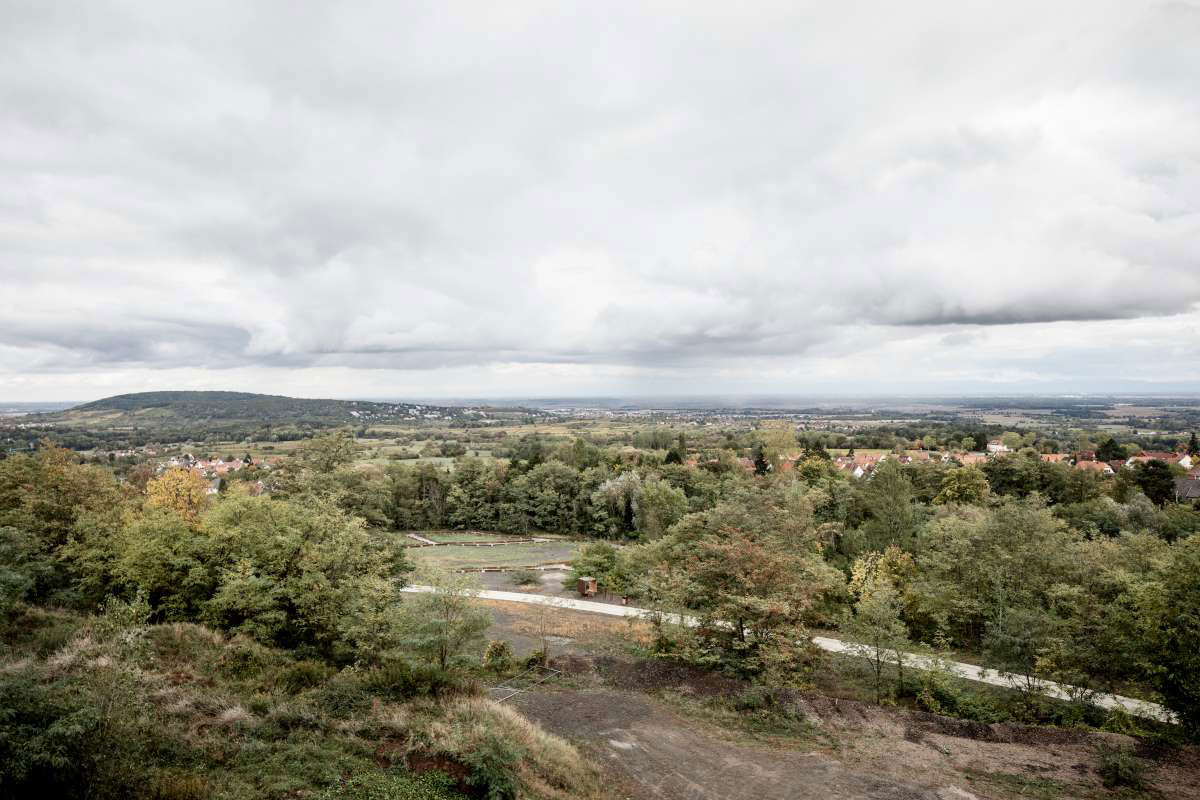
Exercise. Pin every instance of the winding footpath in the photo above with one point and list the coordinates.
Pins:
(1133, 706)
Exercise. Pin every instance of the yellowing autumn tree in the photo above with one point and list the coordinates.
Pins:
(179, 490)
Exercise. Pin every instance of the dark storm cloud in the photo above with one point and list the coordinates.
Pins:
(660, 187)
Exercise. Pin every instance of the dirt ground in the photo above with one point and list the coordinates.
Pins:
(551, 583)
(638, 719)
(656, 753)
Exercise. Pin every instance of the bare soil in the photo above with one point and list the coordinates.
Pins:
(634, 717)
(660, 754)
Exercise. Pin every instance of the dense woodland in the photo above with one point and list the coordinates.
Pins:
(1033, 568)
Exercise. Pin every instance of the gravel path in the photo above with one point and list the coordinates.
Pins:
(1138, 708)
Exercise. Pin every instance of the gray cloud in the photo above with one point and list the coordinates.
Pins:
(656, 191)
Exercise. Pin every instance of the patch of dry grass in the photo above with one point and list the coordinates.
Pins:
(534, 620)
(551, 768)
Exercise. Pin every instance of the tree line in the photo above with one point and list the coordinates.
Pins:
(1037, 568)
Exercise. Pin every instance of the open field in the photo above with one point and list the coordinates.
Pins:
(466, 536)
(481, 536)
(503, 555)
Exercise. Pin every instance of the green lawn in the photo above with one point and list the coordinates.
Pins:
(470, 536)
(504, 555)
(477, 536)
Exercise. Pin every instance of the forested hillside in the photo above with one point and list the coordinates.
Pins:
(200, 407)
(131, 420)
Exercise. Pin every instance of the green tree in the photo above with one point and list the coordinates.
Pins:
(602, 561)
(289, 573)
(22, 567)
(888, 497)
(815, 448)
(1193, 446)
(179, 490)
(973, 563)
(751, 570)
(1109, 450)
(1016, 642)
(963, 485)
(1174, 644)
(1155, 480)
(374, 623)
(876, 632)
(161, 555)
(325, 453)
(661, 506)
(443, 624)
(615, 503)
(761, 465)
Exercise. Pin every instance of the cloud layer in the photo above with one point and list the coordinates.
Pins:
(380, 198)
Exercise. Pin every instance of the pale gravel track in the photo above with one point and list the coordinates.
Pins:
(971, 672)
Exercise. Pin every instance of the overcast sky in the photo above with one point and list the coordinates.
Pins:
(515, 198)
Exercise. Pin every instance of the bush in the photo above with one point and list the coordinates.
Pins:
(524, 577)
(399, 680)
(754, 698)
(1120, 767)
(939, 696)
(288, 717)
(178, 785)
(501, 752)
(392, 785)
(494, 762)
(498, 656)
(305, 674)
(66, 739)
(245, 659)
(343, 695)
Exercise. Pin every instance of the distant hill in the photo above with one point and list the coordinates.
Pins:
(246, 406)
(136, 419)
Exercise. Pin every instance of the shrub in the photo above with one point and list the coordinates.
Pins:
(494, 763)
(939, 696)
(392, 785)
(502, 751)
(70, 738)
(399, 680)
(244, 659)
(260, 705)
(753, 698)
(524, 577)
(498, 656)
(177, 785)
(301, 675)
(343, 695)
(1120, 767)
(1119, 720)
(288, 717)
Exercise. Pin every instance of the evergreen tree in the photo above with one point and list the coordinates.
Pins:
(760, 461)
(1110, 451)
(1193, 446)
(815, 449)
(1156, 481)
